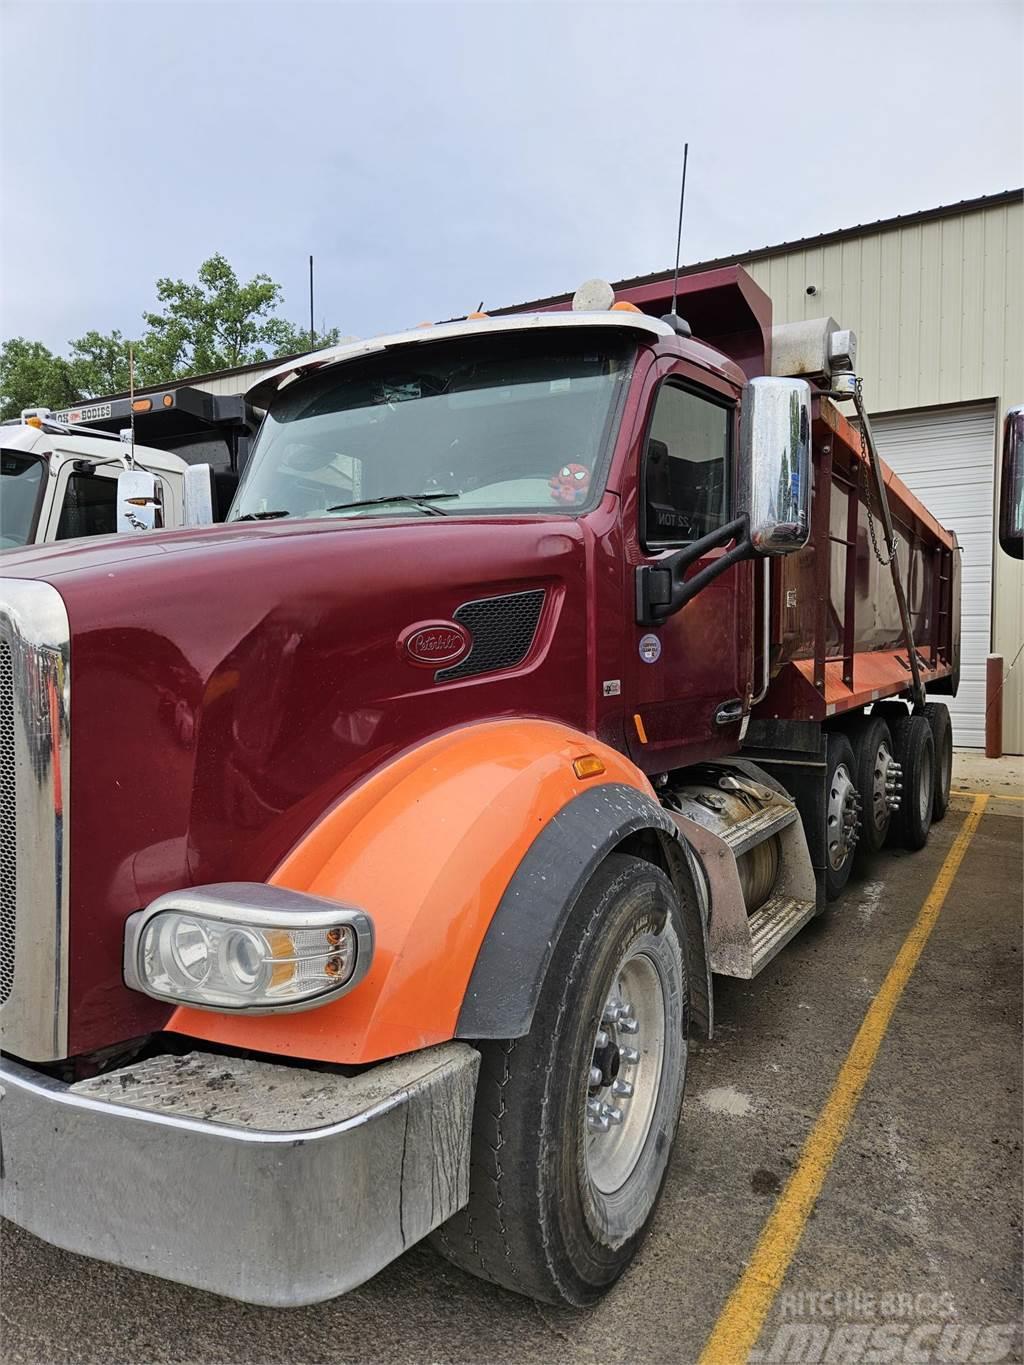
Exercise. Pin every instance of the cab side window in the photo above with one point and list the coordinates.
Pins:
(90, 507)
(686, 470)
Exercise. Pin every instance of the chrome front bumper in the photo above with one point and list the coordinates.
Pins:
(261, 1182)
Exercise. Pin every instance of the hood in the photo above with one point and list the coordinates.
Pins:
(228, 687)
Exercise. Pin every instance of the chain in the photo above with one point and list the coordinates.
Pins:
(864, 457)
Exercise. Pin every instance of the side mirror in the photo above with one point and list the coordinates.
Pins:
(1011, 492)
(198, 495)
(139, 501)
(775, 464)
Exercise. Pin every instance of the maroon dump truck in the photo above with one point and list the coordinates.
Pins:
(366, 862)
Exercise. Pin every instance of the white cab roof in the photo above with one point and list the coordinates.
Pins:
(78, 446)
(268, 384)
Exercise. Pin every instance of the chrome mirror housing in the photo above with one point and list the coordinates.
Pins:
(139, 501)
(775, 464)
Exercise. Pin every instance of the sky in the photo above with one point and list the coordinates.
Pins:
(432, 155)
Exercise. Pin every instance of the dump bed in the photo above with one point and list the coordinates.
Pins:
(835, 636)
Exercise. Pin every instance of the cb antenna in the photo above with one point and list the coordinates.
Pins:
(131, 403)
(679, 325)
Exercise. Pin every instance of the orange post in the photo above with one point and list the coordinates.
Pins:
(994, 706)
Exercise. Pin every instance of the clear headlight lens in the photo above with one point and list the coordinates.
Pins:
(221, 963)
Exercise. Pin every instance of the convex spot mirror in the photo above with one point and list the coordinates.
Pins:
(139, 501)
(775, 464)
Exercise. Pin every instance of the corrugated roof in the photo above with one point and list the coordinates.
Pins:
(985, 201)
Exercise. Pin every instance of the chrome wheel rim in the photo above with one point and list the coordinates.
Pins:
(885, 785)
(624, 1075)
(842, 819)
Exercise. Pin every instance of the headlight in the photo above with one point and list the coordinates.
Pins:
(246, 946)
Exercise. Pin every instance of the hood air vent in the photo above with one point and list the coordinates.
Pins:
(503, 630)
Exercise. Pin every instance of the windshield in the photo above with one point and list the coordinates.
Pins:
(21, 486)
(489, 424)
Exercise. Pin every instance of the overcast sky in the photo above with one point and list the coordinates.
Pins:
(433, 155)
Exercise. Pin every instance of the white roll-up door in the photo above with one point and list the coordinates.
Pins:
(946, 457)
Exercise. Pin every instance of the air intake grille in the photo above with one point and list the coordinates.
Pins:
(8, 824)
(503, 630)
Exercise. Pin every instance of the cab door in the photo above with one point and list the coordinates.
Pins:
(689, 679)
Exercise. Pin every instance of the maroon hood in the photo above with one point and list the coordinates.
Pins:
(228, 686)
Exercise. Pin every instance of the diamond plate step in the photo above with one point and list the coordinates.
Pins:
(756, 828)
(771, 927)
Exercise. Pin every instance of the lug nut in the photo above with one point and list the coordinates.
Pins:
(629, 1055)
(627, 1024)
(612, 1014)
(601, 1040)
(612, 1114)
(597, 1117)
(623, 1089)
(596, 1077)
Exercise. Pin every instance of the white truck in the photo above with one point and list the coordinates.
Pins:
(77, 473)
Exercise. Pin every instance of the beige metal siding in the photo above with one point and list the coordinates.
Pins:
(936, 305)
(937, 311)
(235, 383)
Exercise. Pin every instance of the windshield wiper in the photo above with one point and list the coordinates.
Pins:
(424, 501)
(261, 516)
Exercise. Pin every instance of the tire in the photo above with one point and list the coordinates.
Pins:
(890, 711)
(915, 752)
(873, 756)
(551, 1213)
(938, 718)
(842, 814)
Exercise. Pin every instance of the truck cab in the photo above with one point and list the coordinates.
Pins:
(62, 471)
(62, 486)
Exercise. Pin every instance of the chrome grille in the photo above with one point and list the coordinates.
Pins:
(8, 824)
(35, 773)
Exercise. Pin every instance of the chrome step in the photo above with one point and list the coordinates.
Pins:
(771, 927)
(758, 827)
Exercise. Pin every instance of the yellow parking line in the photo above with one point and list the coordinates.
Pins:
(995, 796)
(739, 1324)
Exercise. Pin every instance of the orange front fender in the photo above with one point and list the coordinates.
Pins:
(427, 846)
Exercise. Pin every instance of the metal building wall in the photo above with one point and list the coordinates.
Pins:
(937, 308)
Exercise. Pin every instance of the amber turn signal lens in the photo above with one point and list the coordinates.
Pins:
(168, 400)
(587, 766)
(142, 405)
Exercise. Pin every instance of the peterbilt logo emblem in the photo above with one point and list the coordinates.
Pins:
(432, 644)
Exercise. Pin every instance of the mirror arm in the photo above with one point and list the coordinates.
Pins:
(662, 589)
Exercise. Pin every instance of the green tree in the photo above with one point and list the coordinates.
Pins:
(215, 324)
(32, 376)
(100, 363)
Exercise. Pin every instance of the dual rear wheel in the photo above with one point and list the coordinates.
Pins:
(888, 778)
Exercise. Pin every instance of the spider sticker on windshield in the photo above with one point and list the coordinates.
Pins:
(571, 484)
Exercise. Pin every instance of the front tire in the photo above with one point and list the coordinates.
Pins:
(563, 1189)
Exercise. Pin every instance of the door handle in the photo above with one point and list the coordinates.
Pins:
(729, 712)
